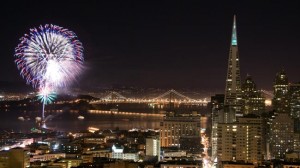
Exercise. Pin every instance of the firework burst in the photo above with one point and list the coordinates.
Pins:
(49, 56)
(46, 96)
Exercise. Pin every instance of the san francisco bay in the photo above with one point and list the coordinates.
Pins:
(72, 121)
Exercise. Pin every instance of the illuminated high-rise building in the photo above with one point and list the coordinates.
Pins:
(280, 100)
(173, 128)
(233, 92)
(217, 105)
(294, 100)
(241, 140)
(281, 135)
(232, 100)
(254, 102)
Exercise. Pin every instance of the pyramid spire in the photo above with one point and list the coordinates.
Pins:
(234, 35)
(233, 81)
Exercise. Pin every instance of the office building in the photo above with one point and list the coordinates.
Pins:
(217, 104)
(172, 128)
(294, 100)
(281, 135)
(241, 140)
(280, 101)
(233, 92)
(253, 99)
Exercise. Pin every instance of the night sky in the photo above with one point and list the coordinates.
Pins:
(169, 44)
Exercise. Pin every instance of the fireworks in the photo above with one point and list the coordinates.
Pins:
(49, 57)
(46, 96)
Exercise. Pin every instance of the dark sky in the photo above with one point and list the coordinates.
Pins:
(174, 44)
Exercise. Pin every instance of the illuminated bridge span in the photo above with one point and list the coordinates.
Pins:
(114, 96)
(170, 96)
(125, 113)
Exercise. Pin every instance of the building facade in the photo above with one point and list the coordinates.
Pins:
(217, 105)
(294, 100)
(240, 141)
(174, 127)
(153, 146)
(253, 99)
(281, 135)
(16, 158)
(280, 100)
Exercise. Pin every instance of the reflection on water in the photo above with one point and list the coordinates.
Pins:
(70, 122)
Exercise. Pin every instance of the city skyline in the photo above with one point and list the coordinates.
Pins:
(165, 44)
(150, 84)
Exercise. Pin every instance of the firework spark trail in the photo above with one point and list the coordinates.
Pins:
(49, 57)
(46, 96)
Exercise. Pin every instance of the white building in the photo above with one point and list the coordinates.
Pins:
(153, 146)
(118, 153)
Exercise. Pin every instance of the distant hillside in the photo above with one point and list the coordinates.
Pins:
(18, 87)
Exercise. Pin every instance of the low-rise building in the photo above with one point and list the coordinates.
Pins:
(179, 166)
(121, 164)
(94, 140)
(14, 158)
(47, 157)
(71, 162)
(118, 153)
(100, 153)
(237, 165)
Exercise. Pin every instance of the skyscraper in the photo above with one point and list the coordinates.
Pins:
(217, 105)
(281, 135)
(226, 112)
(253, 100)
(294, 100)
(241, 140)
(236, 136)
(233, 93)
(280, 100)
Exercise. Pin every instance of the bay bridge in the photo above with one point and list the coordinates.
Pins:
(171, 96)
